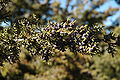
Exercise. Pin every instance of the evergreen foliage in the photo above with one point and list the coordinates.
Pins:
(44, 41)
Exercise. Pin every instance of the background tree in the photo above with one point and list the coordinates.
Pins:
(57, 50)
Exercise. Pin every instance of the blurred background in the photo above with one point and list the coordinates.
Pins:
(106, 12)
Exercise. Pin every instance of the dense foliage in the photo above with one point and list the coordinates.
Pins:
(63, 66)
(45, 41)
(66, 35)
(106, 67)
